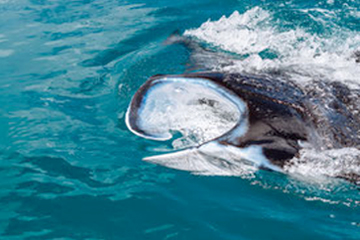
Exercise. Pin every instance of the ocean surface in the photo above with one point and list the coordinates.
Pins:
(70, 168)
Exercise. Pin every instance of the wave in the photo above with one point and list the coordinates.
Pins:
(265, 45)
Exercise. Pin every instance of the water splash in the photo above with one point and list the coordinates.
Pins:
(265, 46)
(319, 166)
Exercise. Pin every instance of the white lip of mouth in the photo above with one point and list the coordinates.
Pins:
(214, 158)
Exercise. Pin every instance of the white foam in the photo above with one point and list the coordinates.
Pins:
(300, 54)
(318, 166)
(6, 53)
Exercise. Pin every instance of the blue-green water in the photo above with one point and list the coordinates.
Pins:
(69, 167)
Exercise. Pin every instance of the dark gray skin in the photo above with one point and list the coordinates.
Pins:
(282, 115)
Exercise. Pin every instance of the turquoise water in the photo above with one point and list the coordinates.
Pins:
(70, 168)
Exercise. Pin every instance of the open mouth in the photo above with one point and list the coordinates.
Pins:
(199, 109)
(208, 116)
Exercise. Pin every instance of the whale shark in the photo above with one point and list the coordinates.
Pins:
(235, 120)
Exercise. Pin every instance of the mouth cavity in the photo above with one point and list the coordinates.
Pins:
(197, 108)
